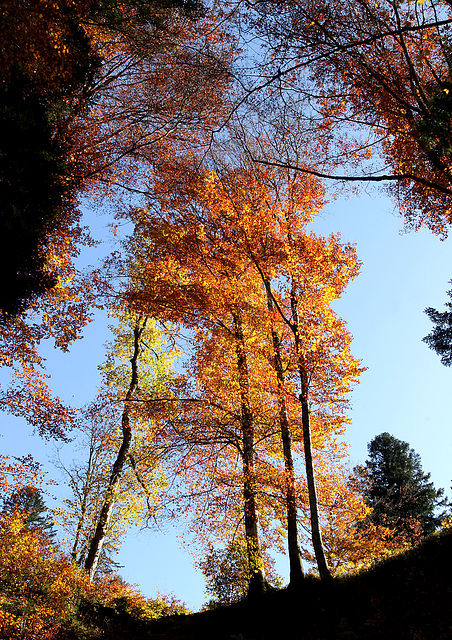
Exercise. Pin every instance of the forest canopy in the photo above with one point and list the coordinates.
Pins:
(214, 137)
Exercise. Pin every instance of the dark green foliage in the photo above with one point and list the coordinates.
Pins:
(440, 339)
(434, 128)
(398, 491)
(30, 500)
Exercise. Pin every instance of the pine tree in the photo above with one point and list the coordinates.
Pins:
(440, 338)
(29, 501)
(399, 492)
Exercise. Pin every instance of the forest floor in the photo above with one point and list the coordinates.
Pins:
(407, 597)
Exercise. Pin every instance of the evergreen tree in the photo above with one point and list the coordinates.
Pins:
(398, 490)
(29, 500)
(440, 338)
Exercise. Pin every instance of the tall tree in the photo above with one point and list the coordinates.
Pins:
(92, 68)
(137, 372)
(86, 476)
(399, 492)
(220, 234)
(185, 274)
(440, 338)
(277, 245)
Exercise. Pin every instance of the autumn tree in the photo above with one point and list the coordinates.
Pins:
(86, 476)
(136, 373)
(227, 574)
(69, 109)
(180, 54)
(42, 589)
(232, 232)
(179, 273)
(379, 77)
(277, 246)
(102, 61)
(440, 338)
(352, 541)
(47, 63)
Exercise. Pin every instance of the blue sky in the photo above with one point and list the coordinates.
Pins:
(405, 390)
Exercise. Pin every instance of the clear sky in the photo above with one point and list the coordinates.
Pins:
(405, 391)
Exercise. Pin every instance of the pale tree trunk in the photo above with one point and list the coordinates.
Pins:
(97, 541)
(255, 563)
(83, 507)
(295, 562)
(304, 399)
(81, 522)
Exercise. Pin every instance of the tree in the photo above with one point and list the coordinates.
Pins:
(227, 574)
(188, 271)
(399, 492)
(29, 502)
(278, 247)
(205, 255)
(18, 474)
(47, 62)
(63, 66)
(175, 54)
(440, 339)
(105, 135)
(352, 541)
(86, 477)
(45, 596)
(136, 372)
(379, 75)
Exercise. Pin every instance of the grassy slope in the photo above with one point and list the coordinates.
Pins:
(406, 597)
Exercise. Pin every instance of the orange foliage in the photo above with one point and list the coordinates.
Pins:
(41, 590)
(203, 259)
(380, 75)
(161, 80)
(18, 473)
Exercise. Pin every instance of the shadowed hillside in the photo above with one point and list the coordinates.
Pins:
(408, 596)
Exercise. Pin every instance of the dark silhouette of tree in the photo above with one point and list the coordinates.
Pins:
(440, 338)
(35, 185)
(399, 491)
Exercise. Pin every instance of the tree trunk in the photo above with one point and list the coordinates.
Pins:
(97, 541)
(304, 399)
(255, 564)
(83, 509)
(295, 562)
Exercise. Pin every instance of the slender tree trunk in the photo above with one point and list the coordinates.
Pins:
(312, 492)
(83, 509)
(97, 541)
(81, 522)
(295, 562)
(255, 564)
